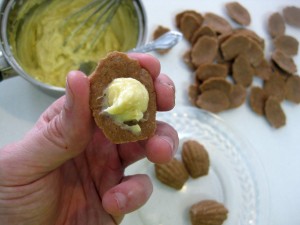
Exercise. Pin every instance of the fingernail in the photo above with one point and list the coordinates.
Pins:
(121, 200)
(69, 96)
(170, 142)
(168, 85)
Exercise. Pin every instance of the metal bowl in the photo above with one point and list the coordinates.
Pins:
(9, 66)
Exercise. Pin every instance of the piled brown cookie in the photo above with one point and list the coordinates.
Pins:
(226, 57)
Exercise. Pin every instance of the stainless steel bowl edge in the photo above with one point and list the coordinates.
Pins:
(9, 67)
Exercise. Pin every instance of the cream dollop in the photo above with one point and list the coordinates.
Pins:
(127, 101)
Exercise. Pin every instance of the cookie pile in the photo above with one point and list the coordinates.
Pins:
(225, 61)
(195, 163)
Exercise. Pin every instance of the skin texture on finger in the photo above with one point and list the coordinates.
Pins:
(164, 86)
(131, 153)
(65, 167)
(129, 195)
(165, 93)
(159, 149)
(148, 62)
(80, 201)
(75, 113)
(163, 145)
(104, 162)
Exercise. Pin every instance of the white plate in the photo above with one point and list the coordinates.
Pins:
(236, 177)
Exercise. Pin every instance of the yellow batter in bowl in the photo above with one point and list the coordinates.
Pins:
(39, 31)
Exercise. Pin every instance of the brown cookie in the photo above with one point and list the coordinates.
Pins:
(172, 174)
(213, 100)
(251, 35)
(207, 71)
(284, 62)
(291, 15)
(159, 31)
(217, 23)
(237, 96)
(119, 65)
(258, 98)
(189, 21)
(293, 89)
(234, 45)
(204, 50)
(276, 87)
(276, 25)
(287, 45)
(242, 71)
(202, 31)
(195, 158)
(274, 112)
(238, 13)
(208, 212)
(263, 70)
(216, 83)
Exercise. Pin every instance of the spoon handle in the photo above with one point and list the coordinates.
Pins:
(167, 40)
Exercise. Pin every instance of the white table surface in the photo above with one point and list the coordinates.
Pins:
(279, 150)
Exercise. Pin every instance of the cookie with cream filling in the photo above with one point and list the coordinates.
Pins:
(123, 99)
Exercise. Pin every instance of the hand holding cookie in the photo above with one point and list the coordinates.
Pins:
(123, 99)
(73, 169)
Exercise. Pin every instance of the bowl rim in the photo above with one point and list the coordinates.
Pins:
(6, 6)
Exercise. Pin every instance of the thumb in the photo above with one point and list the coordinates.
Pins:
(62, 132)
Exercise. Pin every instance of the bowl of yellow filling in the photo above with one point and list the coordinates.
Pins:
(43, 40)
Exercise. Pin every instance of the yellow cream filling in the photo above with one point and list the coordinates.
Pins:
(127, 101)
(39, 30)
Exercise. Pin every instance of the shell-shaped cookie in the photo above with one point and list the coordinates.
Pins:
(172, 174)
(208, 212)
(195, 158)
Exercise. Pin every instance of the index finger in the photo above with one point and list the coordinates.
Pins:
(148, 62)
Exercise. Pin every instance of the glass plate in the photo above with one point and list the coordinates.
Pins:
(235, 178)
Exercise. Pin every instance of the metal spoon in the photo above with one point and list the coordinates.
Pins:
(166, 41)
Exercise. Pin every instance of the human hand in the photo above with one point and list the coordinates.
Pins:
(65, 172)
